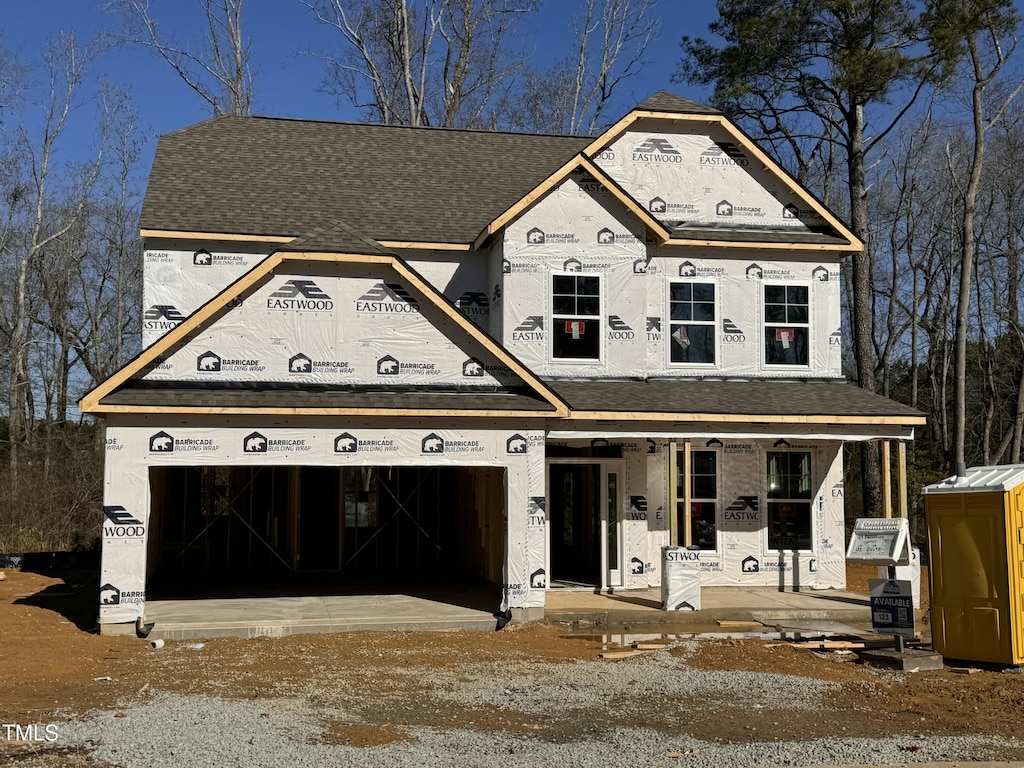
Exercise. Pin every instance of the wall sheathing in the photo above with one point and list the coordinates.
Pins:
(576, 228)
(635, 319)
(702, 178)
(460, 275)
(743, 557)
(179, 277)
(134, 446)
(339, 324)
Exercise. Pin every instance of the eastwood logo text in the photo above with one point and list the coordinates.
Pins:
(161, 317)
(258, 443)
(162, 442)
(387, 298)
(474, 304)
(346, 442)
(656, 150)
(618, 330)
(120, 524)
(744, 509)
(531, 329)
(300, 295)
(724, 153)
(731, 332)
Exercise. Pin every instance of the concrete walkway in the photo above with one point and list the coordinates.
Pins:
(281, 616)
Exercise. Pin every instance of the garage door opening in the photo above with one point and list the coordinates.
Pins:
(223, 531)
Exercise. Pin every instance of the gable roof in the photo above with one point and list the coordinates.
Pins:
(121, 392)
(274, 179)
(275, 176)
(580, 162)
(663, 101)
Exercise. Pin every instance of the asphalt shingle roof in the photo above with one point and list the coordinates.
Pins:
(270, 396)
(273, 176)
(334, 237)
(771, 397)
(663, 101)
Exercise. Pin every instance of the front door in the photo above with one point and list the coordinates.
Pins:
(584, 524)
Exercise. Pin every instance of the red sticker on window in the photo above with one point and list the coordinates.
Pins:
(575, 327)
(784, 335)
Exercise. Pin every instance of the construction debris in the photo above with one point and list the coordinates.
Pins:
(623, 654)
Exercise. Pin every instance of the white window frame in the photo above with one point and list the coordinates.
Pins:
(767, 501)
(764, 325)
(715, 324)
(719, 509)
(553, 318)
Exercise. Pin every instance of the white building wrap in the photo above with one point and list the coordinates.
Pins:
(177, 282)
(703, 179)
(132, 448)
(342, 326)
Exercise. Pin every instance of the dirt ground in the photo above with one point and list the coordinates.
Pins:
(50, 662)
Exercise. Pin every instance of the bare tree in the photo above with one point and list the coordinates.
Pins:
(420, 62)
(218, 70)
(610, 39)
(34, 221)
(12, 76)
(623, 29)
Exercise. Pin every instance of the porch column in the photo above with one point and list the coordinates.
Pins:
(901, 477)
(886, 479)
(673, 492)
(688, 530)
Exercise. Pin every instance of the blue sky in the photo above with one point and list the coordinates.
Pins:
(288, 80)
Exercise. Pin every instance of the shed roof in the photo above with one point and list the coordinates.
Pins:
(1000, 478)
(769, 398)
(262, 397)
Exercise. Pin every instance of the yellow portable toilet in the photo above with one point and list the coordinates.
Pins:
(976, 542)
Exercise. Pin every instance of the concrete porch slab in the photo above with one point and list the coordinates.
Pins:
(767, 606)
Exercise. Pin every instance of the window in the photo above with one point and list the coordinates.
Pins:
(692, 318)
(576, 317)
(703, 499)
(789, 500)
(787, 325)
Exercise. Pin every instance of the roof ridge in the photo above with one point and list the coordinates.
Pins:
(394, 126)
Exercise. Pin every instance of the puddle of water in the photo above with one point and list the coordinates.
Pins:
(668, 633)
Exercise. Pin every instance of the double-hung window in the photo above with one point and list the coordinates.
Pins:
(692, 322)
(789, 500)
(703, 499)
(576, 317)
(787, 325)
